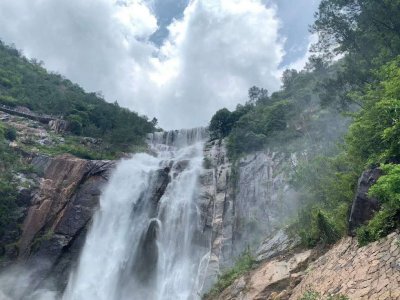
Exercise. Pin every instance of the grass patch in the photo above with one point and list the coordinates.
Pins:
(313, 295)
(243, 264)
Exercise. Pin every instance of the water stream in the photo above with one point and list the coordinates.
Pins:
(145, 240)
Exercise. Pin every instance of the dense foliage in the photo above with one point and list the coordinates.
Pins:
(9, 163)
(366, 33)
(27, 83)
(328, 184)
(290, 116)
(306, 115)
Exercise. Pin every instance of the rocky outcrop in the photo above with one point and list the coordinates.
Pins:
(63, 204)
(276, 244)
(27, 113)
(370, 272)
(364, 207)
(216, 203)
(59, 211)
(58, 125)
(269, 280)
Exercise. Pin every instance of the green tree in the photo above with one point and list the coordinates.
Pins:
(221, 124)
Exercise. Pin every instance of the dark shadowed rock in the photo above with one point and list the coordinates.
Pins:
(146, 259)
(159, 181)
(364, 207)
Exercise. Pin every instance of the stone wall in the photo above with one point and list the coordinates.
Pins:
(370, 272)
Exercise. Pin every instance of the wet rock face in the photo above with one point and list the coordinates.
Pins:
(58, 213)
(146, 260)
(364, 207)
(216, 204)
(158, 183)
(69, 191)
(243, 203)
(263, 198)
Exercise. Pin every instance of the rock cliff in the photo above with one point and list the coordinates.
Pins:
(239, 204)
(57, 213)
(370, 272)
(243, 202)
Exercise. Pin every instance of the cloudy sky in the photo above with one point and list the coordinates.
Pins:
(177, 60)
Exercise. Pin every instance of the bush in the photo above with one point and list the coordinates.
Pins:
(316, 225)
(8, 101)
(7, 202)
(313, 295)
(244, 264)
(75, 126)
(310, 295)
(10, 134)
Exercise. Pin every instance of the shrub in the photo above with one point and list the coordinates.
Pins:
(244, 264)
(387, 190)
(10, 134)
(313, 295)
(317, 226)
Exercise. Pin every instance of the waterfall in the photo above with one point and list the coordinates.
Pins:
(145, 240)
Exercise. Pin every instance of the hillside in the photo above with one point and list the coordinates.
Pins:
(294, 194)
(26, 83)
(339, 119)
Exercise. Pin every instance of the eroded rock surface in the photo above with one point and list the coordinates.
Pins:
(268, 281)
(276, 244)
(370, 272)
(58, 212)
(242, 203)
(216, 206)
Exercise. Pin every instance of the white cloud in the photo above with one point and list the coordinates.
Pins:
(211, 57)
(300, 63)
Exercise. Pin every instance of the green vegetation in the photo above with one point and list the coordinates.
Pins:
(75, 145)
(10, 134)
(244, 263)
(10, 163)
(313, 295)
(387, 190)
(312, 111)
(27, 83)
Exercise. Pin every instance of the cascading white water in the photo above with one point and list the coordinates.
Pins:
(143, 243)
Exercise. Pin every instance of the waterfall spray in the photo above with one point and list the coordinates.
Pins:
(142, 243)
